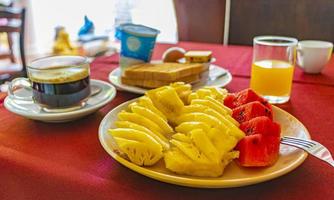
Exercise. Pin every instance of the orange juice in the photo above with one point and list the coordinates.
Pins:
(272, 78)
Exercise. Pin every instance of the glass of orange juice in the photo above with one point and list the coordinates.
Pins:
(273, 66)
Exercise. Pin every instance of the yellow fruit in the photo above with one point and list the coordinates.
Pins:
(181, 137)
(138, 119)
(231, 119)
(201, 117)
(217, 93)
(192, 96)
(222, 140)
(182, 89)
(167, 101)
(194, 108)
(191, 151)
(220, 104)
(157, 136)
(153, 117)
(186, 127)
(202, 93)
(209, 104)
(204, 144)
(178, 162)
(147, 103)
(139, 153)
(132, 134)
(229, 157)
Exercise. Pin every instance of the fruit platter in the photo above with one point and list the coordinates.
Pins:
(207, 138)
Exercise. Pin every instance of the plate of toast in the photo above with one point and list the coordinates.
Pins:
(142, 77)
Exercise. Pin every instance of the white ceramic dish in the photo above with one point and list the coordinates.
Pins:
(234, 175)
(31, 110)
(218, 77)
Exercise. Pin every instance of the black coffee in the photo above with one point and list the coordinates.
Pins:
(59, 95)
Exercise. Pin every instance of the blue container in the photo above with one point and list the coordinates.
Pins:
(137, 43)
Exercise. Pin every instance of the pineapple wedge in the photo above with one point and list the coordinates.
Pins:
(141, 120)
(176, 161)
(147, 103)
(153, 117)
(139, 153)
(167, 101)
(186, 127)
(157, 136)
(204, 144)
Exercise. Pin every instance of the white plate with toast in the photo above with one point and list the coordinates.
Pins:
(218, 77)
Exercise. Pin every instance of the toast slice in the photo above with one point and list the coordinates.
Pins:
(168, 72)
(158, 83)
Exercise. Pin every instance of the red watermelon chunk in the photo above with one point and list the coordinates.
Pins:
(258, 150)
(261, 125)
(234, 100)
(251, 110)
(229, 100)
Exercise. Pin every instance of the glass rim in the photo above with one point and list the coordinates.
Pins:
(281, 40)
(80, 63)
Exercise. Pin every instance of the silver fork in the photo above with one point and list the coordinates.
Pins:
(312, 147)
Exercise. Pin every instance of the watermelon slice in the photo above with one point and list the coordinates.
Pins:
(260, 147)
(258, 150)
(251, 110)
(261, 125)
(234, 100)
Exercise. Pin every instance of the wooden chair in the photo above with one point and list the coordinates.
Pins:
(13, 20)
(200, 20)
(302, 19)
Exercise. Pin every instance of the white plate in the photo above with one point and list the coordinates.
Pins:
(234, 175)
(33, 111)
(216, 79)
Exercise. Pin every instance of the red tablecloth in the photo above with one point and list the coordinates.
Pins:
(66, 161)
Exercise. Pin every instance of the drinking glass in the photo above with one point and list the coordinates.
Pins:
(273, 66)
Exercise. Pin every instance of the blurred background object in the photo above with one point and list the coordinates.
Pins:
(302, 19)
(200, 20)
(12, 21)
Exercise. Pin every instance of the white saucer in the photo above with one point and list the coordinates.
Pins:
(218, 77)
(31, 110)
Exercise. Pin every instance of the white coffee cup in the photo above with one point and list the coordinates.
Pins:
(313, 55)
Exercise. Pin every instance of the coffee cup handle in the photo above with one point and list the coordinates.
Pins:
(300, 52)
(19, 83)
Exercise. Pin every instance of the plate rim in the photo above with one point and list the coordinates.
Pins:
(51, 116)
(198, 182)
(139, 90)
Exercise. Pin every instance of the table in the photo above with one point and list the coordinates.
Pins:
(66, 161)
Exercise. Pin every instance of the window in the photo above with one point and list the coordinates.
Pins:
(46, 15)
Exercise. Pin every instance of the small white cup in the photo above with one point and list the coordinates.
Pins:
(313, 55)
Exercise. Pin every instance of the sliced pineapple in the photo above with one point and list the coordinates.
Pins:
(192, 96)
(141, 120)
(132, 134)
(219, 104)
(217, 93)
(201, 117)
(191, 151)
(186, 127)
(147, 113)
(139, 153)
(167, 101)
(182, 137)
(157, 136)
(180, 163)
(204, 144)
(182, 89)
(209, 104)
(222, 140)
(147, 103)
